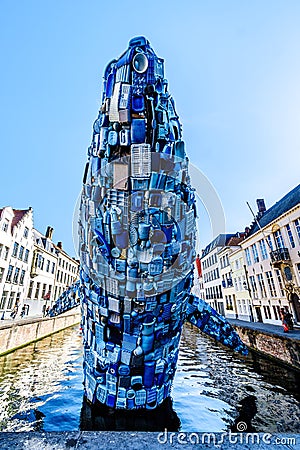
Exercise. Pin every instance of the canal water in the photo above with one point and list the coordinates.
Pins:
(214, 390)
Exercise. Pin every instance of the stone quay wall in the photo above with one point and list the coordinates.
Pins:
(14, 335)
(284, 349)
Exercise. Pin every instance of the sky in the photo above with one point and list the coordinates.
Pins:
(233, 69)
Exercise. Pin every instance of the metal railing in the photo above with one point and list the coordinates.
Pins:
(281, 254)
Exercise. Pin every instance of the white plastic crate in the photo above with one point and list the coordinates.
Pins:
(141, 160)
(190, 222)
(114, 104)
(140, 397)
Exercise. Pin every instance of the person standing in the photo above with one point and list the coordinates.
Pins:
(22, 313)
(284, 320)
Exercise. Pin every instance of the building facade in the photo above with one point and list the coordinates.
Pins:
(67, 271)
(16, 250)
(272, 254)
(242, 300)
(34, 271)
(40, 288)
(212, 281)
(226, 282)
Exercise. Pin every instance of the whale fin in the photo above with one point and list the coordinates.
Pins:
(210, 322)
(67, 300)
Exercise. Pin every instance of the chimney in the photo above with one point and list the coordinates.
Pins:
(59, 245)
(261, 206)
(49, 233)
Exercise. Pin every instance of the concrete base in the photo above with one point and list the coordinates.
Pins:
(90, 440)
(15, 335)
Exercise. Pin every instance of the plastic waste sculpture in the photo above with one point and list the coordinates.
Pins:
(137, 238)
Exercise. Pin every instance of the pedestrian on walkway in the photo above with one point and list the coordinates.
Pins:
(284, 320)
(14, 312)
(289, 319)
(22, 314)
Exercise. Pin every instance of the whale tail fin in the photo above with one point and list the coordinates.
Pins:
(67, 300)
(210, 322)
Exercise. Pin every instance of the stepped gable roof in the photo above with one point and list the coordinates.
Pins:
(287, 202)
(220, 241)
(235, 240)
(18, 215)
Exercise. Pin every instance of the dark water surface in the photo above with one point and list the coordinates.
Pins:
(214, 390)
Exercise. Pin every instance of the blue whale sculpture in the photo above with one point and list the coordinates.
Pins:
(137, 237)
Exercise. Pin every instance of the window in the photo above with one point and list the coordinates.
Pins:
(37, 291)
(15, 249)
(44, 290)
(26, 255)
(290, 235)
(5, 225)
(11, 300)
(270, 243)
(255, 253)
(3, 299)
(271, 284)
(276, 310)
(267, 311)
(59, 262)
(261, 284)
(263, 250)
(279, 239)
(1, 248)
(229, 304)
(253, 286)
(53, 267)
(6, 253)
(240, 284)
(22, 277)
(21, 252)
(248, 257)
(279, 279)
(57, 275)
(1, 274)
(26, 230)
(40, 261)
(235, 284)
(48, 265)
(63, 264)
(30, 289)
(297, 227)
(9, 273)
(16, 275)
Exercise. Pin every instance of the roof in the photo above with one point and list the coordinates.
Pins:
(287, 202)
(220, 241)
(236, 240)
(18, 215)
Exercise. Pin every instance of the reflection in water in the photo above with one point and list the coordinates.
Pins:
(97, 419)
(220, 388)
(214, 390)
(41, 385)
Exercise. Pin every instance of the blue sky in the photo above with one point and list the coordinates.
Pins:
(233, 69)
